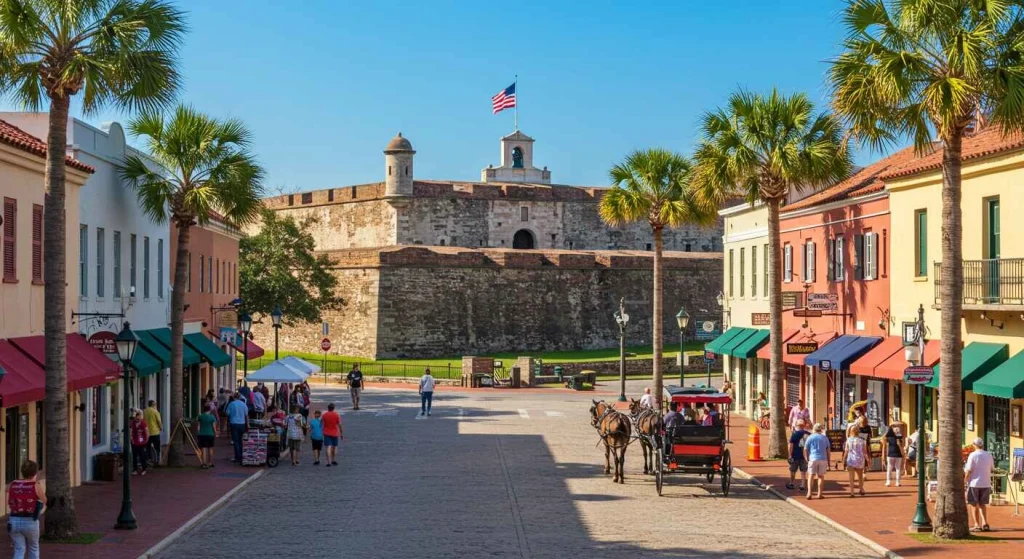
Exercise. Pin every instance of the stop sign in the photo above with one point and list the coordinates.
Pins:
(325, 344)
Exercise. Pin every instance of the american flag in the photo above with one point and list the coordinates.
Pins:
(506, 99)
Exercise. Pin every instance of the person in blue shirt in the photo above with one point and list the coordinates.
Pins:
(238, 418)
(316, 436)
(817, 448)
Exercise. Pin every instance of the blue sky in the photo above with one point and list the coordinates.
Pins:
(324, 85)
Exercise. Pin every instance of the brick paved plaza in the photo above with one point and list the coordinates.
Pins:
(494, 474)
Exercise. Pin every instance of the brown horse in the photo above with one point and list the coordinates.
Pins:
(649, 426)
(615, 431)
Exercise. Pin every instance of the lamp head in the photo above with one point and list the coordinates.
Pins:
(912, 353)
(683, 319)
(720, 299)
(127, 342)
(276, 316)
(245, 323)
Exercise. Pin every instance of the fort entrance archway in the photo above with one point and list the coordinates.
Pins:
(523, 239)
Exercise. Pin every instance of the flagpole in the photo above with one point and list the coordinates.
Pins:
(516, 117)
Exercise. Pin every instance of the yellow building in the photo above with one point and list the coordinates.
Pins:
(22, 167)
(993, 296)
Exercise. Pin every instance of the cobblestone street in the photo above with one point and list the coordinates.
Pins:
(493, 474)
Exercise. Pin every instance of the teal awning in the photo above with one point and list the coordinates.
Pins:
(748, 347)
(154, 347)
(144, 362)
(978, 360)
(716, 344)
(730, 346)
(207, 349)
(1005, 381)
(188, 355)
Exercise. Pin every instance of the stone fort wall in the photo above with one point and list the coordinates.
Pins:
(410, 301)
(477, 215)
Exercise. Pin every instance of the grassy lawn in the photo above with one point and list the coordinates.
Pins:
(610, 354)
(83, 538)
(932, 539)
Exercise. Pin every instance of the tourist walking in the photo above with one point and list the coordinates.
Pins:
(817, 448)
(331, 422)
(155, 425)
(238, 418)
(316, 436)
(139, 436)
(355, 385)
(855, 458)
(978, 480)
(894, 452)
(798, 413)
(797, 458)
(206, 436)
(647, 400)
(26, 500)
(259, 403)
(426, 392)
(296, 426)
(913, 443)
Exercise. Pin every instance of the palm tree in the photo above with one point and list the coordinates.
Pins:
(204, 166)
(762, 147)
(928, 69)
(114, 52)
(654, 185)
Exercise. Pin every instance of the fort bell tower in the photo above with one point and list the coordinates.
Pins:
(516, 162)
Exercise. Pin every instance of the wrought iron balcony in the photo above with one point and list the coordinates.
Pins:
(994, 282)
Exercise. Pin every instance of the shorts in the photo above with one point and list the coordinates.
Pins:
(317, 443)
(356, 391)
(795, 465)
(330, 441)
(295, 444)
(818, 467)
(205, 441)
(978, 495)
(912, 455)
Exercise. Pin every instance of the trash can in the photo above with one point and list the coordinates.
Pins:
(514, 377)
(106, 465)
(558, 372)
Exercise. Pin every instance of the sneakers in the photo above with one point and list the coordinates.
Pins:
(888, 483)
(789, 486)
(334, 462)
(328, 464)
(897, 484)
(316, 462)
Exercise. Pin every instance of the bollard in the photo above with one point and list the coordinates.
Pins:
(754, 443)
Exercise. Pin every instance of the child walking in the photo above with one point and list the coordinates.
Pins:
(316, 436)
(855, 457)
(296, 425)
(140, 441)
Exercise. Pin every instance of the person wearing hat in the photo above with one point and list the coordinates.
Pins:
(978, 480)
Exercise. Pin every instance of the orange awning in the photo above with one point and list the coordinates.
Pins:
(820, 338)
(766, 351)
(892, 368)
(870, 361)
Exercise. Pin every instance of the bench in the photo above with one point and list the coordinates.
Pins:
(576, 382)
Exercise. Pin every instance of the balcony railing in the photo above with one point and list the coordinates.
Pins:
(994, 281)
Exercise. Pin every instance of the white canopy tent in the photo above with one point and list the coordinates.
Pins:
(277, 372)
(300, 364)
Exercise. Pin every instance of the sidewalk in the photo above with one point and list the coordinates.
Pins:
(882, 515)
(163, 500)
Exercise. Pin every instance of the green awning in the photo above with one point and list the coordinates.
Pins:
(716, 344)
(748, 347)
(978, 360)
(154, 347)
(188, 355)
(145, 363)
(1005, 381)
(731, 345)
(207, 349)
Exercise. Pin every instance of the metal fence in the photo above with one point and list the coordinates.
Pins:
(408, 370)
(994, 281)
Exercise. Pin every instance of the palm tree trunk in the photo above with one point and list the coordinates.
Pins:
(951, 506)
(61, 520)
(777, 442)
(176, 446)
(656, 319)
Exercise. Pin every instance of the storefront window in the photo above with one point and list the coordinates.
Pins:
(876, 403)
(743, 383)
(94, 418)
(849, 394)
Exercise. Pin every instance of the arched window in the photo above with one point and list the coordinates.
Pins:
(523, 239)
(517, 158)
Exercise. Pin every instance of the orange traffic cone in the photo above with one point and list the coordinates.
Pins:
(754, 443)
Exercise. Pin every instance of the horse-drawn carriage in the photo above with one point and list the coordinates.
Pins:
(695, 449)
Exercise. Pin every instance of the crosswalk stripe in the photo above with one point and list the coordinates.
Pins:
(554, 413)
(523, 414)
(387, 413)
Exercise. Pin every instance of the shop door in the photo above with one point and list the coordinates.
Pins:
(743, 383)
(792, 385)
(11, 445)
(849, 396)
(875, 397)
(997, 434)
(991, 270)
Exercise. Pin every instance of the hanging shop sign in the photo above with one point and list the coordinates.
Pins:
(918, 374)
(792, 299)
(105, 341)
(801, 348)
(822, 302)
(760, 319)
(805, 313)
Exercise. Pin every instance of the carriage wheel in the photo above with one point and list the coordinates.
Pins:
(726, 472)
(659, 469)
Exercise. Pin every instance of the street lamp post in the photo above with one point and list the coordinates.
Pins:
(276, 316)
(245, 323)
(126, 342)
(683, 320)
(915, 353)
(621, 318)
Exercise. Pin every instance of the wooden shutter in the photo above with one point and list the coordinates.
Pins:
(787, 258)
(840, 264)
(10, 239)
(858, 257)
(871, 256)
(37, 243)
(812, 271)
(830, 263)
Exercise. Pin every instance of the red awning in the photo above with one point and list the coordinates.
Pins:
(24, 382)
(821, 338)
(869, 362)
(251, 350)
(766, 351)
(892, 368)
(85, 368)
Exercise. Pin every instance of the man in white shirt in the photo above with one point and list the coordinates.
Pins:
(978, 479)
(647, 400)
(426, 392)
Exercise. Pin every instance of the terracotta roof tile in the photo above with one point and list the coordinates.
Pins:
(16, 137)
(865, 181)
(988, 141)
